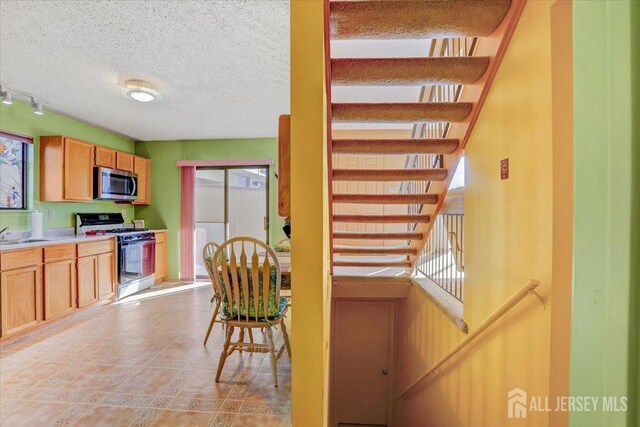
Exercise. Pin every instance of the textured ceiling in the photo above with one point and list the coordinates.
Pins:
(222, 66)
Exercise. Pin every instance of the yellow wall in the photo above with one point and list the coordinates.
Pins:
(508, 240)
(309, 219)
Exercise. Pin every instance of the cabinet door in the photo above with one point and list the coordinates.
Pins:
(87, 280)
(78, 170)
(124, 161)
(59, 288)
(20, 299)
(141, 167)
(106, 265)
(161, 261)
(105, 157)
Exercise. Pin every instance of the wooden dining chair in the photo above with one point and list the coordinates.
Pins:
(207, 256)
(250, 298)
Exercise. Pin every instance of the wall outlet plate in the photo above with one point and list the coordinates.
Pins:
(52, 214)
(124, 213)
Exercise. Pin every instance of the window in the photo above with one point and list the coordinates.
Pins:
(13, 170)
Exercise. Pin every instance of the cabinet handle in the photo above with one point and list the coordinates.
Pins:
(384, 372)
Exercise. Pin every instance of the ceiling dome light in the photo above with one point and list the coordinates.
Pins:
(7, 97)
(141, 91)
(37, 107)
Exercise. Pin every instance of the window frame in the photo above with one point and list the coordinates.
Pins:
(25, 140)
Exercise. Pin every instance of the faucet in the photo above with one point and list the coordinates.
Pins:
(3, 236)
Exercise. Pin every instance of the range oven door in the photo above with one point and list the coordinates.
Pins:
(113, 184)
(136, 260)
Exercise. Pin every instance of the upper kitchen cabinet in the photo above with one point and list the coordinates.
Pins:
(66, 169)
(124, 161)
(142, 167)
(105, 157)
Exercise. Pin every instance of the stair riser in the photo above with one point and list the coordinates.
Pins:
(371, 264)
(362, 251)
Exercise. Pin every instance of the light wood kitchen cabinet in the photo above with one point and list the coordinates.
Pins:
(87, 280)
(161, 256)
(105, 157)
(59, 288)
(96, 271)
(142, 167)
(106, 274)
(66, 169)
(124, 161)
(20, 299)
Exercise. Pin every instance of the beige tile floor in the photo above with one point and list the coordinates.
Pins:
(139, 363)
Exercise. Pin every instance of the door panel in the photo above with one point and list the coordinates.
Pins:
(363, 361)
(87, 277)
(78, 170)
(106, 265)
(20, 299)
(59, 288)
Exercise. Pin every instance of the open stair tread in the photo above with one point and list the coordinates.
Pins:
(373, 250)
(380, 264)
(400, 112)
(407, 71)
(415, 19)
(396, 219)
(437, 174)
(377, 236)
(386, 199)
(395, 146)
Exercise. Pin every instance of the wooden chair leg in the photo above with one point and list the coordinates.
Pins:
(272, 355)
(250, 335)
(213, 321)
(285, 337)
(241, 339)
(223, 355)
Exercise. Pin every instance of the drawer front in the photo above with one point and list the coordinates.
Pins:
(94, 248)
(161, 237)
(59, 253)
(19, 259)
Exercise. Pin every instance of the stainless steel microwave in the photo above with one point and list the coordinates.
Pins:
(114, 184)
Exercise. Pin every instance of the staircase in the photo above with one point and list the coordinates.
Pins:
(466, 40)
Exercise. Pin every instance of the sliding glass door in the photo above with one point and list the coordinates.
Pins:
(230, 202)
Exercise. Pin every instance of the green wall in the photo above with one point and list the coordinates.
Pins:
(19, 118)
(164, 210)
(606, 129)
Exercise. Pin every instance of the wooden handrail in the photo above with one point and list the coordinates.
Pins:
(527, 289)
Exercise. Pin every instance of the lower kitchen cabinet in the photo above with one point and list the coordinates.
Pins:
(87, 280)
(20, 299)
(106, 274)
(59, 288)
(161, 257)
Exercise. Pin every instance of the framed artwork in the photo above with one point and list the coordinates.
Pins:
(13, 170)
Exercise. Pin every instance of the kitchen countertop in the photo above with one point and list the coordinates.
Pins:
(57, 240)
(61, 239)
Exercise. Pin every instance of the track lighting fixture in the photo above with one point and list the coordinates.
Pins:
(7, 97)
(37, 107)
